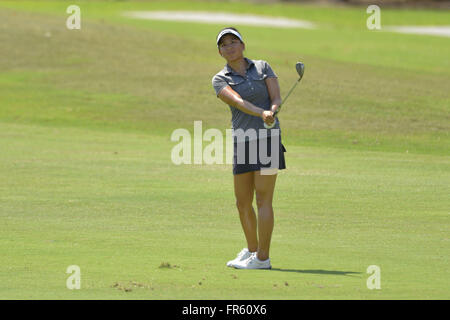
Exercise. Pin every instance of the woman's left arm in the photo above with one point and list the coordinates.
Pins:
(274, 92)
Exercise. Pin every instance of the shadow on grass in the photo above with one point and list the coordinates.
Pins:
(332, 272)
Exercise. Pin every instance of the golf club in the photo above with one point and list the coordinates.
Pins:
(300, 67)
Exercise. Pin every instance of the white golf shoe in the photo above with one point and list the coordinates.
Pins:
(243, 255)
(253, 262)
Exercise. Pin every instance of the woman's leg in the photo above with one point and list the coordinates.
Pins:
(243, 190)
(264, 188)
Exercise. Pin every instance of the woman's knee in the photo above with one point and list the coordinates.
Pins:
(263, 200)
(243, 205)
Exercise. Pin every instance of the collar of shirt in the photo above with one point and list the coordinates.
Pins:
(229, 70)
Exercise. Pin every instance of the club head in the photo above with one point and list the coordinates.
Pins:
(300, 67)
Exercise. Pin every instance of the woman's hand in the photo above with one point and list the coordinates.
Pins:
(267, 117)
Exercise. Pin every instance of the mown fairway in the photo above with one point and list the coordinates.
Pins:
(86, 176)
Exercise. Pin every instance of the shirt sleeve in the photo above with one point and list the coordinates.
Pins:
(268, 71)
(218, 84)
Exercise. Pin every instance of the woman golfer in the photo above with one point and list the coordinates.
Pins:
(250, 88)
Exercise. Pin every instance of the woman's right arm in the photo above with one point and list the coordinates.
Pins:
(232, 98)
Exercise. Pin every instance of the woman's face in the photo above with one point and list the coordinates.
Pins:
(231, 48)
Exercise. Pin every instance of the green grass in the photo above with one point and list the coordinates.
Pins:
(112, 204)
(86, 176)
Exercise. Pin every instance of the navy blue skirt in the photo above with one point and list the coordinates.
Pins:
(251, 160)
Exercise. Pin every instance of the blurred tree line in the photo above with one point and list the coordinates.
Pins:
(427, 3)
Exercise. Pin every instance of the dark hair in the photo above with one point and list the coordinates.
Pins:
(232, 28)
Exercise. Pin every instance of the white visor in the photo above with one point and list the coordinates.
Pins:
(226, 31)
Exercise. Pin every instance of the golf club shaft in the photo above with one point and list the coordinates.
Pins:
(279, 107)
(285, 98)
(300, 67)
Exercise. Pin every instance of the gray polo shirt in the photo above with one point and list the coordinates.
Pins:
(252, 88)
